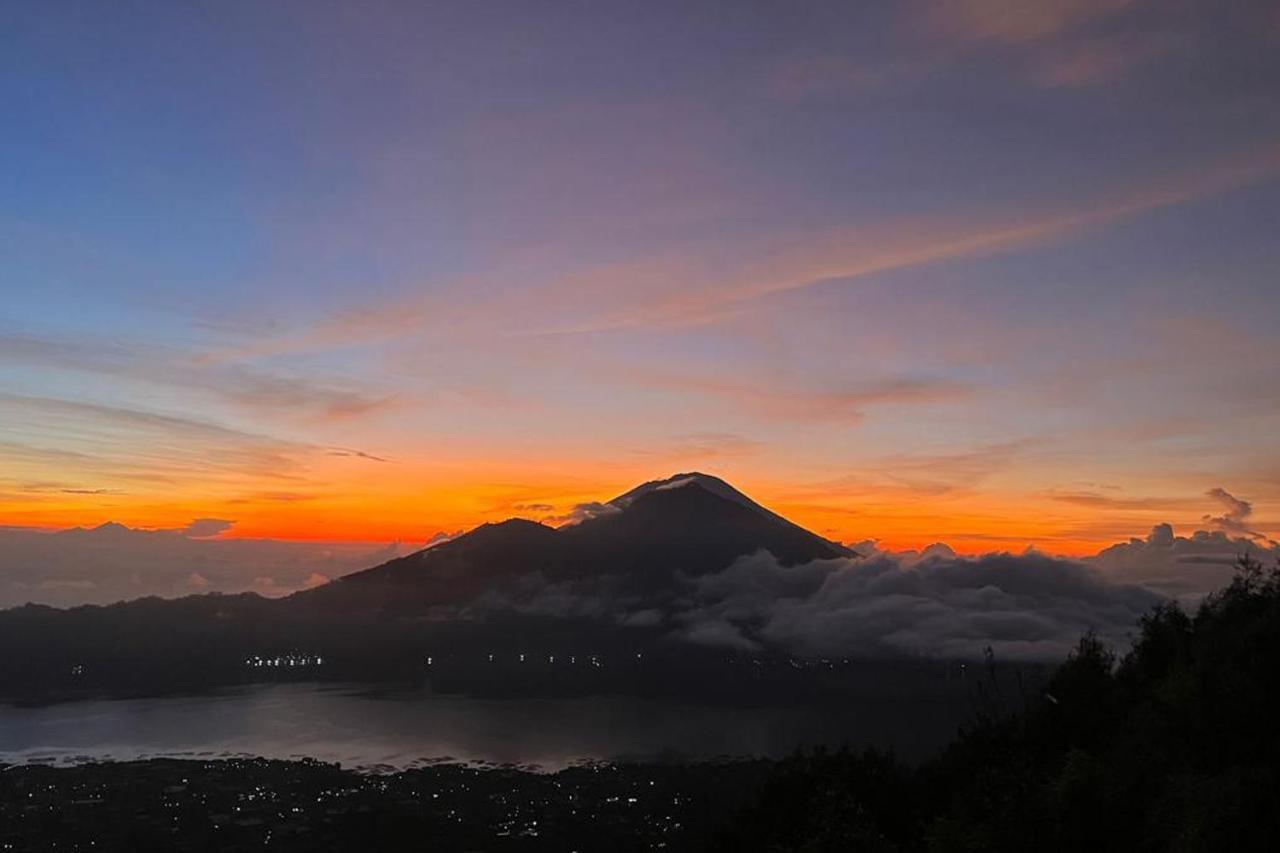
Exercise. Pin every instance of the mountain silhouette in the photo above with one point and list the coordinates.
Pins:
(686, 525)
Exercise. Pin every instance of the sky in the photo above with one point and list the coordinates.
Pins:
(971, 271)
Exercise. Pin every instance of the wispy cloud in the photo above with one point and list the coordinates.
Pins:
(846, 255)
(700, 446)
(1099, 60)
(288, 396)
(1101, 501)
(929, 473)
(782, 401)
(142, 450)
(113, 562)
(1017, 22)
(355, 454)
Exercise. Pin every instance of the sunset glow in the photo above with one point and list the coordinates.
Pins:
(903, 272)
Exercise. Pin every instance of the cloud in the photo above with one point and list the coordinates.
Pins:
(1100, 501)
(846, 254)
(679, 289)
(117, 442)
(1020, 22)
(1235, 516)
(932, 604)
(928, 474)
(355, 454)
(203, 528)
(583, 511)
(1024, 606)
(112, 562)
(291, 395)
(1099, 60)
(701, 446)
(844, 404)
(1181, 567)
(822, 76)
(926, 603)
(442, 536)
(908, 558)
(266, 586)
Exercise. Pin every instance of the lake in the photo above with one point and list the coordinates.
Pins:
(366, 729)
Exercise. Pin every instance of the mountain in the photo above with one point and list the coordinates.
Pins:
(706, 481)
(686, 525)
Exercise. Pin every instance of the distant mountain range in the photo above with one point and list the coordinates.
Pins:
(684, 526)
(620, 583)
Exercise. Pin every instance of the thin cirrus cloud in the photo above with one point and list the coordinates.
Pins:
(113, 562)
(1099, 60)
(778, 401)
(279, 395)
(673, 291)
(700, 446)
(875, 247)
(844, 257)
(157, 460)
(1017, 23)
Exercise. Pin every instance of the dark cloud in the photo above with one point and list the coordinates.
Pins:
(1024, 606)
(582, 512)
(1235, 515)
(937, 605)
(1100, 501)
(201, 528)
(1182, 567)
(355, 454)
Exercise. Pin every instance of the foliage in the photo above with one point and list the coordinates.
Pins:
(1176, 746)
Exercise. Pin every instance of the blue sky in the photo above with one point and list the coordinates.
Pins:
(904, 270)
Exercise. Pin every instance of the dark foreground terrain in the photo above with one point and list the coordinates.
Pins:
(1174, 747)
(254, 804)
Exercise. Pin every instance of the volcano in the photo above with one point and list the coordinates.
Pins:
(686, 525)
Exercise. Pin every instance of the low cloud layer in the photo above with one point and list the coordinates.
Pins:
(1024, 606)
(113, 562)
(927, 603)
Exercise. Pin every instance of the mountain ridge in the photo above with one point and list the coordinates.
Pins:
(682, 526)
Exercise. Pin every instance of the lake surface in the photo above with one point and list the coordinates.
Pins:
(371, 730)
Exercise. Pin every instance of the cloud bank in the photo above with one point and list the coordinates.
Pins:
(112, 562)
(1024, 606)
(930, 603)
(1181, 567)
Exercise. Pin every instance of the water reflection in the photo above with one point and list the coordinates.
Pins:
(359, 728)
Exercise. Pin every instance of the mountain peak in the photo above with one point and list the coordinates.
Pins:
(711, 483)
(110, 527)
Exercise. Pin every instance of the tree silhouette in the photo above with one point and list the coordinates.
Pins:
(1175, 746)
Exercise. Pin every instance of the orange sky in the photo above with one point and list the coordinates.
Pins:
(912, 272)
